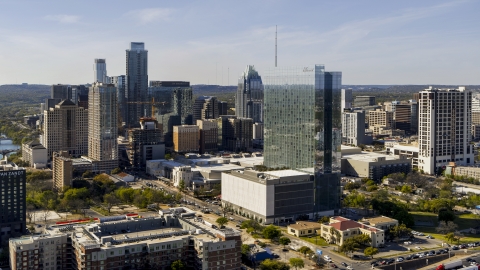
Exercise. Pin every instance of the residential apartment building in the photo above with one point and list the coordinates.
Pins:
(208, 135)
(147, 243)
(353, 127)
(120, 83)
(13, 207)
(186, 138)
(65, 128)
(205, 107)
(102, 126)
(137, 84)
(303, 127)
(339, 229)
(445, 128)
(100, 71)
(62, 170)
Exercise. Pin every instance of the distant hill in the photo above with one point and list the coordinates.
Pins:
(24, 93)
(205, 89)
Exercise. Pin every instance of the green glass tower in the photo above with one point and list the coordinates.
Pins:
(303, 127)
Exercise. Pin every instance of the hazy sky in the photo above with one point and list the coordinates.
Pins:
(371, 42)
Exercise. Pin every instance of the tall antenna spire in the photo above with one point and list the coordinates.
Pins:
(275, 46)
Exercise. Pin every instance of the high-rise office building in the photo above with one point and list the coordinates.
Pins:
(102, 126)
(249, 97)
(205, 107)
(100, 71)
(186, 138)
(120, 84)
(13, 207)
(303, 126)
(208, 135)
(222, 108)
(61, 92)
(77, 91)
(444, 128)
(363, 101)
(353, 127)
(235, 133)
(347, 99)
(381, 118)
(173, 105)
(137, 84)
(65, 128)
(406, 117)
(145, 143)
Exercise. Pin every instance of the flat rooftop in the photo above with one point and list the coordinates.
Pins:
(368, 156)
(380, 219)
(286, 173)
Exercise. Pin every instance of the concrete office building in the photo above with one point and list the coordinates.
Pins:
(186, 138)
(303, 126)
(35, 154)
(445, 128)
(205, 107)
(145, 143)
(347, 99)
(100, 71)
(65, 128)
(208, 135)
(147, 243)
(173, 105)
(381, 118)
(235, 133)
(249, 96)
(353, 128)
(363, 101)
(137, 84)
(269, 197)
(374, 165)
(102, 126)
(13, 207)
(62, 171)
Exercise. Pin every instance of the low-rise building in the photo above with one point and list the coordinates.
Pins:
(374, 165)
(407, 151)
(381, 222)
(144, 243)
(339, 229)
(35, 154)
(303, 228)
(467, 172)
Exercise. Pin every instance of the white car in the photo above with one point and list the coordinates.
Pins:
(327, 258)
(349, 267)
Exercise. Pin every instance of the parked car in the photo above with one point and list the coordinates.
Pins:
(400, 259)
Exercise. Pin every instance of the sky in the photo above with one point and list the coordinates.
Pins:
(211, 42)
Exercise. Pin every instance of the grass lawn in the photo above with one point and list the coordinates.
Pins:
(100, 210)
(320, 241)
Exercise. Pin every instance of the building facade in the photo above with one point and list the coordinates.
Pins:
(100, 71)
(339, 229)
(137, 83)
(102, 126)
(347, 99)
(62, 171)
(205, 107)
(249, 97)
(363, 101)
(186, 138)
(35, 154)
(65, 128)
(381, 119)
(444, 129)
(145, 143)
(173, 105)
(13, 207)
(303, 126)
(208, 135)
(120, 84)
(61, 92)
(236, 133)
(353, 128)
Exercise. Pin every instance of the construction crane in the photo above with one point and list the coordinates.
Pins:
(152, 103)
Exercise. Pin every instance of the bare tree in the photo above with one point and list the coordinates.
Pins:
(30, 213)
(45, 214)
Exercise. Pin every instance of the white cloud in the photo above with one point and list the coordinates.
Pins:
(63, 18)
(149, 15)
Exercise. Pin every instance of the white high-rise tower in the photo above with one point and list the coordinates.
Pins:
(100, 71)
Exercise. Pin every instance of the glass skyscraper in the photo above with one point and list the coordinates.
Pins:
(302, 127)
(136, 84)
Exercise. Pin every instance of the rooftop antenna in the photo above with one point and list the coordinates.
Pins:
(275, 46)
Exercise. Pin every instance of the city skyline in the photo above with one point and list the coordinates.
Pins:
(430, 42)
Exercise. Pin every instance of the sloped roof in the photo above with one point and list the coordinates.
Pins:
(66, 102)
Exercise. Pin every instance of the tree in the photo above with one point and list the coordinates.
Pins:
(370, 251)
(446, 215)
(296, 262)
(116, 171)
(45, 214)
(445, 227)
(450, 237)
(284, 241)
(221, 221)
(304, 250)
(363, 239)
(181, 185)
(400, 231)
(245, 249)
(30, 213)
(87, 174)
(324, 219)
(178, 265)
(406, 189)
(273, 265)
(110, 200)
(168, 156)
(349, 245)
(271, 232)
